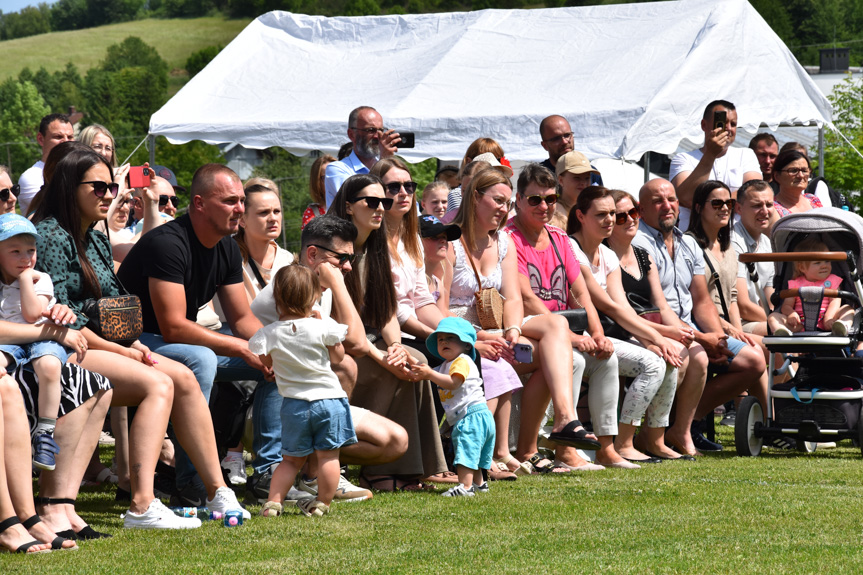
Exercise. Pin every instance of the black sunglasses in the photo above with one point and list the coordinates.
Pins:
(717, 204)
(100, 188)
(535, 200)
(4, 193)
(163, 201)
(620, 217)
(373, 202)
(343, 258)
(393, 188)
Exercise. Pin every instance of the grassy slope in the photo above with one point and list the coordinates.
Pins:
(175, 40)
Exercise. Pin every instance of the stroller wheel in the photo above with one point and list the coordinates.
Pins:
(806, 446)
(748, 415)
(860, 430)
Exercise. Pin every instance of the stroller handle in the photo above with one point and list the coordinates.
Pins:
(794, 257)
(845, 295)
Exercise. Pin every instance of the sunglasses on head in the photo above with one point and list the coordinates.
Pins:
(4, 193)
(100, 188)
(535, 200)
(343, 258)
(163, 201)
(620, 217)
(373, 202)
(717, 204)
(393, 188)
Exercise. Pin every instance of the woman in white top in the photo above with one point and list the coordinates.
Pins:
(652, 390)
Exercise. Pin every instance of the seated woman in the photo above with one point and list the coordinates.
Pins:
(382, 388)
(8, 192)
(791, 172)
(318, 207)
(652, 390)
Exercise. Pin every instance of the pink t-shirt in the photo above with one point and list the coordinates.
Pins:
(549, 279)
(832, 282)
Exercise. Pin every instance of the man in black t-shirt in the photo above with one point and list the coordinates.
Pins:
(178, 267)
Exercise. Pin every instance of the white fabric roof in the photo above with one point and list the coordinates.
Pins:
(630, 78)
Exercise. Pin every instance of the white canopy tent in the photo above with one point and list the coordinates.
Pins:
(630, 78)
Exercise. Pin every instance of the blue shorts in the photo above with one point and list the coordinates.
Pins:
(473, 438)
(320, 425)
(735, 346)
(23, 354)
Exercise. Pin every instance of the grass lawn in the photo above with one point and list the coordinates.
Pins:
(175, 40)
(779, 513)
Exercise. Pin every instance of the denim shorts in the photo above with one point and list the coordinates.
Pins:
(735, 346)
(320, 425)
(24, 354)
(473, 438)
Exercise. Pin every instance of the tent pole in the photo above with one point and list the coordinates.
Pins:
(821, 151)
(646, 167)
(152, 145)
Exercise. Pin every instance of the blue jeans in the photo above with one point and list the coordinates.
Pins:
(208, 368)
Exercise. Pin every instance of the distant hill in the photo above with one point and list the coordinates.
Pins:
(175, 39)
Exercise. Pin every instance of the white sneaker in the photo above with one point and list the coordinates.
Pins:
(226, 500)
(782, 331)
(105, 438)
(236, 469)
(840, 328)
(346, 491)
(157, 516)
(459, 491)
(295, 495)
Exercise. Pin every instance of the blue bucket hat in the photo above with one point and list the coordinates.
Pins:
(458, 327)
(12, 225)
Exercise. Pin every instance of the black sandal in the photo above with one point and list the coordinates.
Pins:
(86, 533)
(543, 465)
(6, 524)
(569, 437)
(57, 542)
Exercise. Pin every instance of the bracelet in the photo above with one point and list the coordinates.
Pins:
(515, 327)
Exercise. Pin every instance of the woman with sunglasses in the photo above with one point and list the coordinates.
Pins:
(791, 172)
(78, 259)
(8, 192)
(362, 200)
(653, 367)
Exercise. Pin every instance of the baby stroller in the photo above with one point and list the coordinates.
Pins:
(823, 400)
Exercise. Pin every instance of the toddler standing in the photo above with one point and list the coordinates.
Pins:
(315, 413)
(463, 400)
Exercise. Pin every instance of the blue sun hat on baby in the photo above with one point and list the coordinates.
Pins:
(458, 327)
(12, 225)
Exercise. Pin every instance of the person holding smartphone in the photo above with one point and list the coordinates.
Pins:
(715, 160)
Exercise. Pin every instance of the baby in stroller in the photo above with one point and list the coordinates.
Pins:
(832, 315)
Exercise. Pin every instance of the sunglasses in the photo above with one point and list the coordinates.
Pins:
(343, 258)
(4, 193)
(620, 217)
(163, 201)
(101, 188)
(549, 200)
(393, 188)
(717, 204)
(373, 202)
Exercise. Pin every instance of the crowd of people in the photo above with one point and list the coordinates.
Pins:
(398, 313)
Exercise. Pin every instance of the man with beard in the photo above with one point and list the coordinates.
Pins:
(371, 142)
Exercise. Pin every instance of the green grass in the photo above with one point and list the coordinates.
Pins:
(175, 40)
(779, 513)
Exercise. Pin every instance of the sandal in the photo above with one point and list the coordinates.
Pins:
(500, 472)
(6, 524)
(385, 483)
(57, 542)
(543, 465)
(442, 477)
(579, 439)
(521, 467)
(85, 533)
(271, 509)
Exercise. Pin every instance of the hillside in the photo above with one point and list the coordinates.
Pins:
(174, 39)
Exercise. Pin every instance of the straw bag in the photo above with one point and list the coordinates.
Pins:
(489, 302)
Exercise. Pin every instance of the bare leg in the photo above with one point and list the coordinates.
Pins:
(284, 476)
(468, 477)
(379, 440)
(534, 399)
(623, 443)
(120, 427)
(328, 475)
(689, 392)
(555, 357)
(502, 410)
(47, 370)
(744, 373)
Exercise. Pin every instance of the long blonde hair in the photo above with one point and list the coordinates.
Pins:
(466, 216)
(408, 230)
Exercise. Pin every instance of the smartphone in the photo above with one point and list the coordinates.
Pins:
(407, 140)
(523, 352)
(139, 177)
(720, 119)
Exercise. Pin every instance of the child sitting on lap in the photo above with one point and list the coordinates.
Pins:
(25, 296)
(833, 316)
(463, 400)
(316, 416)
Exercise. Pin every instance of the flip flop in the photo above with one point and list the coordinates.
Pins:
(571, 437)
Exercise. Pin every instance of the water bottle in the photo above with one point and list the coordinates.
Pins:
(233, 518)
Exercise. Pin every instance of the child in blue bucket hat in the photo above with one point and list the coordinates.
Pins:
(463, 399)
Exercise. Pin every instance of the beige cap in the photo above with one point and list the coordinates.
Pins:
(489, 158)
(574, 162)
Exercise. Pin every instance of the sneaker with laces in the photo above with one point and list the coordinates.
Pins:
(258, 488)
(312, 508)
(226, 500)
(192, 494)
(481, 488)
(346, 491)
(459, 491)
(157, 516)
(236, 468)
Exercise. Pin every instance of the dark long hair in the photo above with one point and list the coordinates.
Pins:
(60, 200)
(376, 300)
(696, 228)
(585, 199)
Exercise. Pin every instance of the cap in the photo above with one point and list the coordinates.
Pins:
(167, 174)
(489, 158)
(14, 225)
(430, 227)
(458, 327)
(575, 162)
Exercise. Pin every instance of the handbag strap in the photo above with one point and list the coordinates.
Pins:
(470, 259)
(110, 265)
(257, 273)
(718, 286)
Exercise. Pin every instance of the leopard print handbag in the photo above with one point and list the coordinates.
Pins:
(115, 318)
